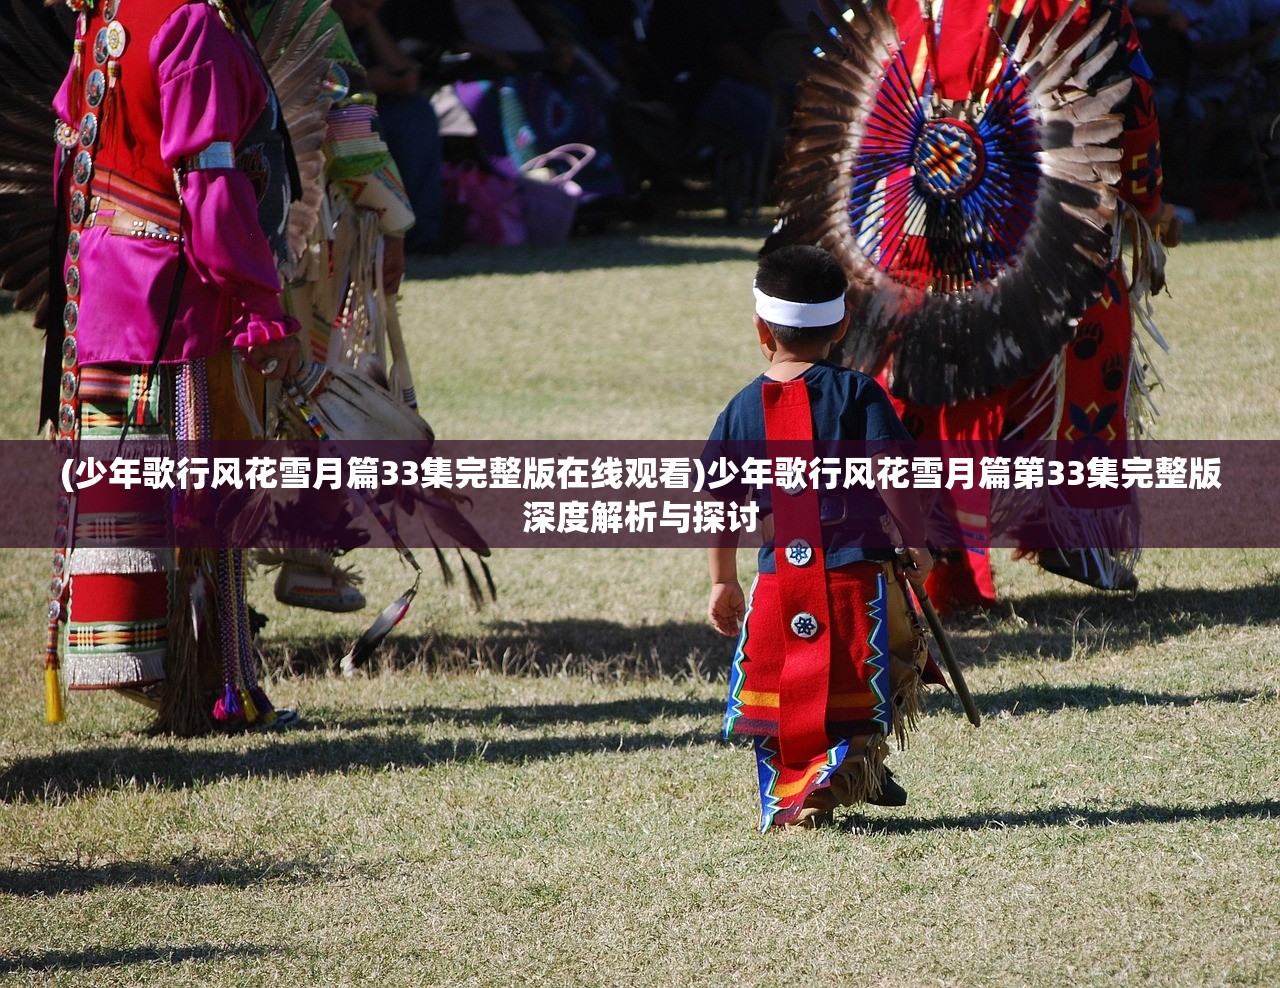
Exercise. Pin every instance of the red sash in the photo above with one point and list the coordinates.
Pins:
(802, 580)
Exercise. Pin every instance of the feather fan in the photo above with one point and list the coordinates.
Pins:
(35, 49)
(974, 232)
(294, 47)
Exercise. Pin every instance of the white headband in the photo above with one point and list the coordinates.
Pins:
(801, 315)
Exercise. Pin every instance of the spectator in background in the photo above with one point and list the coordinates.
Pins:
(1203, 54)
(797, 12)
(1183, 129)
(508, 27)
(610, 30)
(517, 75)
(1224, 34)
(709, 54)
(446, 51)
(478, 39)
(409, 123)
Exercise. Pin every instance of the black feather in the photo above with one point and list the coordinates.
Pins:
(35, 51)
(473, 585)
(446, 574)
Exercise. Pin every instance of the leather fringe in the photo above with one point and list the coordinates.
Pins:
(860, 777)
(193, 642)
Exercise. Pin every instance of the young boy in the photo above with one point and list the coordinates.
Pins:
(829, 659)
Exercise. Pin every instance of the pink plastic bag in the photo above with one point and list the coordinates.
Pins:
(496, 214)
(550, 198)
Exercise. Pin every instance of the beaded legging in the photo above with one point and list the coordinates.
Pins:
(128, 600)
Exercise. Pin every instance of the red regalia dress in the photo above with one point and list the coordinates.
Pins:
(973, 166)
(162, 101)
(1084, 393)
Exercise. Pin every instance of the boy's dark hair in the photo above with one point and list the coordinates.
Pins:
(801, 273)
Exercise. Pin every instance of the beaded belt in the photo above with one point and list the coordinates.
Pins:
(104, 212)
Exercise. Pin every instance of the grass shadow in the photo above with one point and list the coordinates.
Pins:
(1065, 624)
(186, 871)
(94, 958)
(599, 649)
(86, 772)
(1137, 814)
(636, 710)
(1059, 624)
(1257, 225)
(1097, 696)
(371, 740)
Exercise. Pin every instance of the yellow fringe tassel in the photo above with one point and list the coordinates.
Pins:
(52, 697)
(250, 708)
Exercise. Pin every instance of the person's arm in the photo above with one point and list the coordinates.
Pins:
(210, 93)
(393, 72)
(359, 164)
(357, 161)
(904, 509)
(887, 436)
(392, 264)
(727, 604)
(1141, 178)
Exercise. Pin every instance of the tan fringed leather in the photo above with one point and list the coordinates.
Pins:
(908, 655)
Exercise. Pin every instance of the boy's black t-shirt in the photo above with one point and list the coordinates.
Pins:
(847, 407)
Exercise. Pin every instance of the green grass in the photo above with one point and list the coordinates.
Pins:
(536, 793)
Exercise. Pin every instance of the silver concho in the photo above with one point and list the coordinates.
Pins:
(73, 280)
(100, 47)
(88, 129)
(67, 419)
(83, 169)
(109, 11)
(73, 245)
(69, 351)
(55, 610)
(77, 207)
(64, 134)
(95, 88)
(68, 385)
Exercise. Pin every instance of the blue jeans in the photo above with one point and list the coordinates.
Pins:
(413, 134)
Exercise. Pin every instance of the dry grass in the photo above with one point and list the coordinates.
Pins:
(536, 794)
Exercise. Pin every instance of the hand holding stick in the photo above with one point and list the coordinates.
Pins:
(944, 645)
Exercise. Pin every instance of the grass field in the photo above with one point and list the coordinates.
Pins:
(537, 794)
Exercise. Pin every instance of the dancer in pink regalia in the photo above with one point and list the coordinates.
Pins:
(165, 323)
